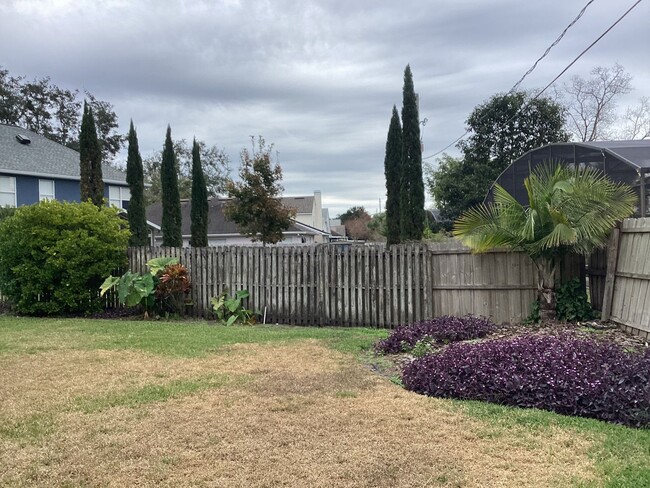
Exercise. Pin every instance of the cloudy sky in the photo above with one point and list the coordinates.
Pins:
(316, 78)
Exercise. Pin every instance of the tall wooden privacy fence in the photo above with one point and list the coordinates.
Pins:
(358, 286)
(620, 277)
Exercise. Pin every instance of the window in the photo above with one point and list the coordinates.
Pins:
(46, 189)
(119, 196)
(7, 191)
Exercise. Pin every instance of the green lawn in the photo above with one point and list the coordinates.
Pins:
(94, 383)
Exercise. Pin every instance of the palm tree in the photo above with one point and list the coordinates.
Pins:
(570, 211)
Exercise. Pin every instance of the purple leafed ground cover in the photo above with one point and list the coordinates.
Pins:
(563, 373)
(441, 330)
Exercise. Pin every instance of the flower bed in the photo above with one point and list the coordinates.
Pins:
(441, 330)
(563, 373)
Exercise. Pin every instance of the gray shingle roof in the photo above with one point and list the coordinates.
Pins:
(218, 224)
(43, 157)
(303, 205)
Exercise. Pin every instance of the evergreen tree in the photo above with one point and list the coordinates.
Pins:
(135, 179)
(90, 160)
(392, 164)
(171, 201)
(199, 210)
(411, 203)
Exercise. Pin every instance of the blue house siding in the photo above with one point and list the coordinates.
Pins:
(41, 158)
(27, 189)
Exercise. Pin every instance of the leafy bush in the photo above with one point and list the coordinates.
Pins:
(441, 330)
(231, 310)
(142, 289)
(572, 303)
(564, 374)
(54, 255)
(173, 288)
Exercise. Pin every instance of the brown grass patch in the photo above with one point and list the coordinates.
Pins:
(311, 417)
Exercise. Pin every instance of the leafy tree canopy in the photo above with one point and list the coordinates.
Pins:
(501, 130)
(54, 112)
(353, 213)
(214, 161)
(256, 207)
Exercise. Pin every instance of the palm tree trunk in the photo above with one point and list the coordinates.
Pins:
(546, 268)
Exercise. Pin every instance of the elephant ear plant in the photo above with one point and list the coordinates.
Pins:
(569, 211)
(138, 289)
(231, 309)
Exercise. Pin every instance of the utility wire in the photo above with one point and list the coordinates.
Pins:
(554, 79)
(548, 49)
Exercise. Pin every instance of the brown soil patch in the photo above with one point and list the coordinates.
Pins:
(311, 417)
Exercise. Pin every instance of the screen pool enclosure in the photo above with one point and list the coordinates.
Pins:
(622, 161)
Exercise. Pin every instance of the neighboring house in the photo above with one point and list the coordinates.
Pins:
(310, 211)
(34, 168)
(224, 232)
(338, 230)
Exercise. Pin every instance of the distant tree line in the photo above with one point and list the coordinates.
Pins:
(54, 112)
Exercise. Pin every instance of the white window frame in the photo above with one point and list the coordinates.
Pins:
(44, 195)
(12, 186)
(122, 194)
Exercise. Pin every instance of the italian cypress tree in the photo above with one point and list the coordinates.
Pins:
(392, 165)
(90, 160)
(411, 204)
(171, 201)
(135, 179)
(199, 210)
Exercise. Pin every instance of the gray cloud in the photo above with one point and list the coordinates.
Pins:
(318, 79)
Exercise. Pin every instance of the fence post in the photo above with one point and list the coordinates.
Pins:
(610, 277)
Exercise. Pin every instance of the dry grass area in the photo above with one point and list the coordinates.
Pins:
(288, 414)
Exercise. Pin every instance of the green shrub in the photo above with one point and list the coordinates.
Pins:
(135, 289)
(231, 309)
(54, 255)
(572, 304)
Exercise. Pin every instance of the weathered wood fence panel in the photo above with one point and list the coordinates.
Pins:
(628, 277)
(358, 285)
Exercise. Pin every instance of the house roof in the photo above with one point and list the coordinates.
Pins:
(218, 224)
(303, 205)
(43, 157)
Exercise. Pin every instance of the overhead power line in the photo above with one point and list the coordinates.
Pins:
(554, 79)
(555, 43)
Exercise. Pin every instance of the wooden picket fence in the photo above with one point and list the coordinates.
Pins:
(358, 285)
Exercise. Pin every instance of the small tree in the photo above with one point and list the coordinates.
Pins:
(392, 164)
(135, 179)
(569, 210)
(171, 201)
(256, 207)
(411, 203)
(90, 160)
(199, 210)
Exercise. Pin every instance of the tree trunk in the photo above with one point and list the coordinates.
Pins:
(546, 288)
